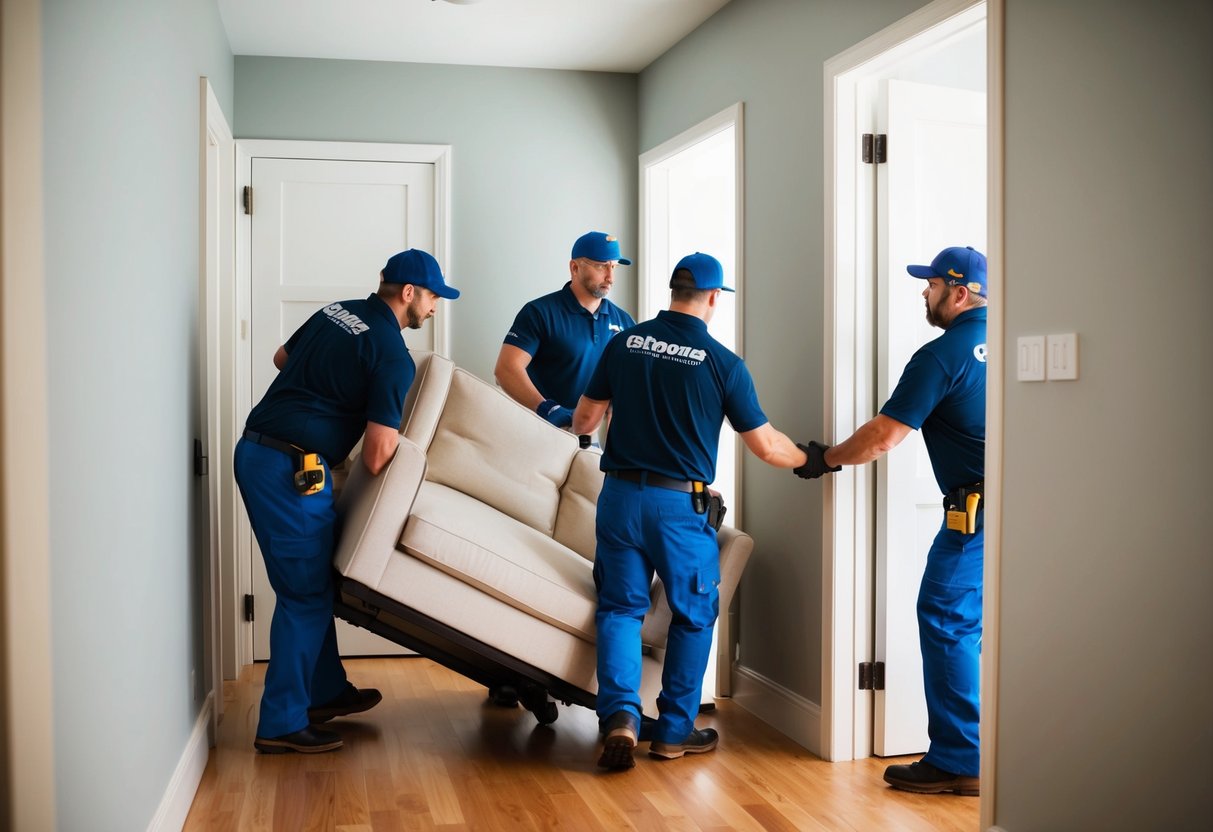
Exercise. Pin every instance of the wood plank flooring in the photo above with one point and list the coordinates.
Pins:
(434, 755)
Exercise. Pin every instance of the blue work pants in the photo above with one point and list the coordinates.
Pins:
(296, 534)
(949, 631)
(641, 530)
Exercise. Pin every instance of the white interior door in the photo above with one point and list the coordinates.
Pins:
(932, 194)
(320, 231)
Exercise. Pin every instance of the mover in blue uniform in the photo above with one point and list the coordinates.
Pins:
(556, 340)
(343, 375)
(670, 385)
(943, 392)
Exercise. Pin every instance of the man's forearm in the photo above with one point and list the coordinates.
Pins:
(872, 441)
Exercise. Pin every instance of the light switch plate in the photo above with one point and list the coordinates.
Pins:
(1063, 357)
(1031, 358)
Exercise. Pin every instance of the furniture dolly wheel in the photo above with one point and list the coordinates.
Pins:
(535, 699)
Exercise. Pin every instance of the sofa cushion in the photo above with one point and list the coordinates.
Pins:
(492, 448)
(579, 504)
(530, 571)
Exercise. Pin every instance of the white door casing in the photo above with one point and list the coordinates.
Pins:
(931, 194)
(326, 216)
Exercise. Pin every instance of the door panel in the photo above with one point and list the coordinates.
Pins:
(931, 194)
(321, 231)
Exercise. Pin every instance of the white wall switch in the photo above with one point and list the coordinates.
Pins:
(1031, 358)
(1063, 357)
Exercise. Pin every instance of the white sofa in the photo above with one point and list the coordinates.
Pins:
(475, 545)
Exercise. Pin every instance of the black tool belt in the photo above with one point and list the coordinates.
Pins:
(271, 442)
(649, 478)
(955, 499)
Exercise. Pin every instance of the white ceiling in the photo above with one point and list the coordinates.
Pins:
(600, 35)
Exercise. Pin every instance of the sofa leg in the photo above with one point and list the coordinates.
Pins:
(503, 696)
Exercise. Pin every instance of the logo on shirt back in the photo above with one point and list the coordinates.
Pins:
(980, 352)
(346, 319)
(661, 349)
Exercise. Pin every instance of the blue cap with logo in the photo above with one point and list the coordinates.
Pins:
(705, 269)
(957, 266)
(596, 245)
(420, 269)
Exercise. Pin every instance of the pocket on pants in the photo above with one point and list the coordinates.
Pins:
(300, 565)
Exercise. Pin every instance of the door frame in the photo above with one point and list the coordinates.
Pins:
(216, 267)
(849, 355)
(237, 634)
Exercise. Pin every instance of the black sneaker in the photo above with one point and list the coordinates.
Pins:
(621, 730)
(349, 701)
(699, 741)
(924, 778)
(310, 740)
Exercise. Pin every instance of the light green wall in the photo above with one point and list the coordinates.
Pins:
(121, 135)
(770, 55)
(1107, 628)
(539, 158)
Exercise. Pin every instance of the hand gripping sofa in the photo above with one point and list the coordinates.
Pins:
(475, 546)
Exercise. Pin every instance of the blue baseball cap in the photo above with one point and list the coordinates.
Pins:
(420, 269)
(596, 245)
(957, 266)
(705, 269)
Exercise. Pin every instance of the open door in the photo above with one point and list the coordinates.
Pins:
(931, 194)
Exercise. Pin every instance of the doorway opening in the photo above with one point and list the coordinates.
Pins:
(879, 218)
(690, 200)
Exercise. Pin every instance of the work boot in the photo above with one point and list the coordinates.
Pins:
(621, 730)
(924, 778)
(699, 741)
(309, 740)
(349, 701)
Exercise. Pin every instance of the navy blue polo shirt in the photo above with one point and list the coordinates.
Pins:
(943, 392)
(671, 385)
(565, 341)
(346, 366)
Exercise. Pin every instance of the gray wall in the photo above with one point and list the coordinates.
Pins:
(1107, 625)
(121, 237)
(770, 54)
(539, 158)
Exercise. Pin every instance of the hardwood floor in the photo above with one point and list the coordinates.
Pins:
(435, 755)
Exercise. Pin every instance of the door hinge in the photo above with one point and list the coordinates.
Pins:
(248, 608)
(247, 199)
(875, 148)
(200, 462)
(871, 675)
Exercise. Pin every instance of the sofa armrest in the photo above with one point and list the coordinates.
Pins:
(373, 511)
(735, 548)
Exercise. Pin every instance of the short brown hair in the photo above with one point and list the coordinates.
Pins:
(682, 287)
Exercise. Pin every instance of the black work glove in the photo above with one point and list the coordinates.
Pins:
(816, 465)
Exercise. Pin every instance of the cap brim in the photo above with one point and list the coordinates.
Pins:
(623, 261)
(727, 289)
(447, 292)
(921, 271)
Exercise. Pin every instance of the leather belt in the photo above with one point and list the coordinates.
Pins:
(271, 442)
(649, 478)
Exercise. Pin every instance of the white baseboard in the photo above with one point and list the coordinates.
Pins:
(179, 796)
(784, 710)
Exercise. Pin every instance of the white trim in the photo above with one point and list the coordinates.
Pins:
(216, 264)
(183, 786)
(27, 701)
(995, 389)
(848, 334)
(784, 710)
